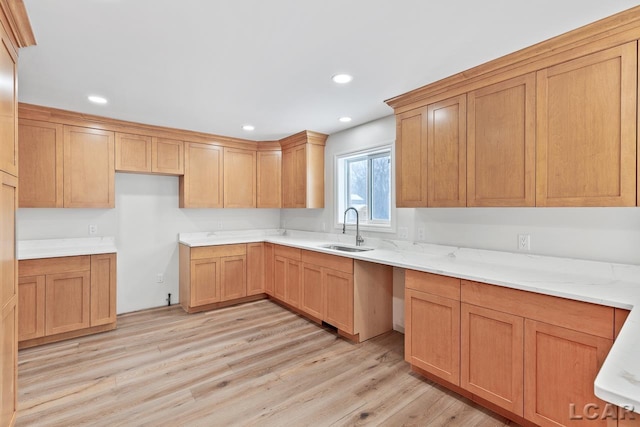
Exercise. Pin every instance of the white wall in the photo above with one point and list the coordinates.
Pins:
(145, 222)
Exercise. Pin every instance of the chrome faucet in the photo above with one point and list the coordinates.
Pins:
(359, 239)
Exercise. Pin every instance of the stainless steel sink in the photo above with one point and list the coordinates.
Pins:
(346, 248)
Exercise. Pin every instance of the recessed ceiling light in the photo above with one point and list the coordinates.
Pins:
(97, 99)
(248, 128)
(345, 119)
(342, 78)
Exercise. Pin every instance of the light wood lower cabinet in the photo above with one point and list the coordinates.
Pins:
(255, 268)
(560, 367)
(532, 356)
(432, 324)
(492, 362)
(66, 297)
(268, 269)
(214, 276)
(353, 296)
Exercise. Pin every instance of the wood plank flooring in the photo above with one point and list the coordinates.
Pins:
(252, 364)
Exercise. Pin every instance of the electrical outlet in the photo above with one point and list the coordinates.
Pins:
(421, 233)
(403, 232)
(160, 278)
(93, 229)
(524, 242)
(219, 225)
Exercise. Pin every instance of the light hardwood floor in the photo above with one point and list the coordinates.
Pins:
(253, 364)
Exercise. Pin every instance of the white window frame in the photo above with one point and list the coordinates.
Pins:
(339, 196)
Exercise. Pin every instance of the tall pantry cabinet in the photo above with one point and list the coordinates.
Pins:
(15, 32)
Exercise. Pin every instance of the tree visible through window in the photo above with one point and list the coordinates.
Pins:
(364, 182)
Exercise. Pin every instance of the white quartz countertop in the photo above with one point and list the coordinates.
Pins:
(53, 248)
(614, 285)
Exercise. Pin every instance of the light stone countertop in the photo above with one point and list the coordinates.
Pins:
(610, 284)
(53, 248)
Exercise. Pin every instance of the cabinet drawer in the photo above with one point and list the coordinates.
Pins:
(444, 286)
(287, 252)
(333, 262)
(203, 252)
(581, 316)
(42, 266)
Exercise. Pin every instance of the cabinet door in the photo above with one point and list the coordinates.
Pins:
(103, 289)
(233, 277)
(201, 185)
(279, 277)
(560, 368)
(292, 282)
(411, 159)
(9, 366)
(300, 176)
(88, 168)
(8, 299)
(133, 153)
(586, 130)
(338, 309)
(447, 152)
(8, 107)
(501, 144)
(432, 334)
(492, 363)
(268, 269)
(67, 302)
(288, 177)
(31, 307)
(167, 156)
(40, 160)
(312, 297)
(205, 281)
(239, 178)
(269, 179)
(255, 268)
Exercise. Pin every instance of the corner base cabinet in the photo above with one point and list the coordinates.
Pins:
(530, 357)
(65, 297)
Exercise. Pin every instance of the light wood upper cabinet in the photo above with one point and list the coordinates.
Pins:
(269, 179)
(411, 159)
(89, 171)
(447, 153)
(303, 170)
(147, 154)
(501, 144)
(8, 106)
(202, 183)
(133, 153)
(431, 155)
(239, 178)
(586, 130)
(167, 156)
(41, 164)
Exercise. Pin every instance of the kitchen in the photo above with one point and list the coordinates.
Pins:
(146, 219)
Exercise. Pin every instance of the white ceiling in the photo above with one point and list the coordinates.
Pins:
(214, 65)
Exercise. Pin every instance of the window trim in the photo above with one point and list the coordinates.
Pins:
(339, 195)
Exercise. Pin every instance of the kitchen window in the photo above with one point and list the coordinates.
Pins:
(364, 182)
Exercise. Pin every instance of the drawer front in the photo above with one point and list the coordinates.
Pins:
(581, 316)
(203, 252)
(287, 252)
(334, 262)
(444, 286)
(43, 266)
